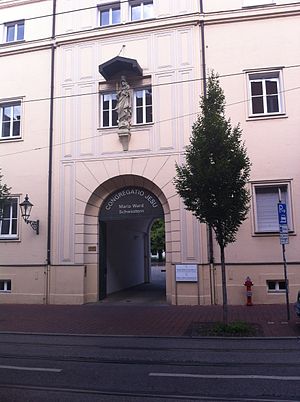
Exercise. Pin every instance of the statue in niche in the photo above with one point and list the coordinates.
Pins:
(124, 108)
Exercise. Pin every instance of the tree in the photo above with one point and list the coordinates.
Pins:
(158, 238)
(4, 193)
(212, 181)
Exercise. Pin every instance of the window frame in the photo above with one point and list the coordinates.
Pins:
(15, 25)
(110, 110)
(109, 7)
(10, 235)
(277, 287)
(7, 285)
(142, 4)
(263, 76)
(11, 104)
(288, 201)
(144, 105)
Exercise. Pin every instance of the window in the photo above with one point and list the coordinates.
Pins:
(110, 15)
(143, 106)
(276, 286)
(266, 200)
(9, 221)
(265, 94)
(141, 10)
(109, 112)
(10, 118)
(14, 31)
(5, 285)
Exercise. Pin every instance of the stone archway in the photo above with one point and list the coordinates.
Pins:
(93, 224)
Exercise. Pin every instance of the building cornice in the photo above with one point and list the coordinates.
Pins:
(251, 14)
(16, 3)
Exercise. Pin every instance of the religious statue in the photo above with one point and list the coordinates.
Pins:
(124, 108)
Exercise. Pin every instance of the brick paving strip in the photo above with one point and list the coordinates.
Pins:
(140, 320)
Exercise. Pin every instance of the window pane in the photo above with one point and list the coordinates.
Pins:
(148, 10)
(135, 13)
(17, 112)
(271, 285)
(139, 115)
(2, 285)
(6, 113)
(114, 118)
(15, 208)
(266, 205)
(14, 227)
(5, 227)
(8, 285)
(104, 17)
(148, 114)
(116, 16)
(106, 100)
(148, 97)
(257, 105)
(281, 285)
(272, 104)
(20, 32)
(256, 88)
(16, 129)
(139, 98)
(105, 118)
(5, 129)
(271, 87)
(10, 34)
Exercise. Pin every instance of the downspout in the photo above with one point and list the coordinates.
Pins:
(51, 118)
(210, 247)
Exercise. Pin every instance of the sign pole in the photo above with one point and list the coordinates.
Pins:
(286, 283)
(284, 239)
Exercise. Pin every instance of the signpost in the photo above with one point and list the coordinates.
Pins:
(284, 239)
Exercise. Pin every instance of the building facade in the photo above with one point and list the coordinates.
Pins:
(97, 107)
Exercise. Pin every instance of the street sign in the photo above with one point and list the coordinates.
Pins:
(284, 238)
(282, 216)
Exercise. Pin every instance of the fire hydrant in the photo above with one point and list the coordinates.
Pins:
(248, 283)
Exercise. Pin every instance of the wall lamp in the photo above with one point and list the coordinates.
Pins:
(25, 207)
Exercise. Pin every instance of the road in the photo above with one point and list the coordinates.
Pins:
(62, 368)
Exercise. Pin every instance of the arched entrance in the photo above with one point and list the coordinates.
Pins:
(125, 220)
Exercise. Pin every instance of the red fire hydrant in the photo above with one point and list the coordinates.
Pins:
(248, 283)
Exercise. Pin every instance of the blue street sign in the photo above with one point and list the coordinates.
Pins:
(282, 216)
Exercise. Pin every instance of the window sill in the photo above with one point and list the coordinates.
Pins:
(16, 42)
(267, 116)
(272, 234)
(10, 139)
(5, 291)
(8, 239)
(274, 292)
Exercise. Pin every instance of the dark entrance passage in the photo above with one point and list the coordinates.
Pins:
(125, 257)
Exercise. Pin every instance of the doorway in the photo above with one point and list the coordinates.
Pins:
(126, 218)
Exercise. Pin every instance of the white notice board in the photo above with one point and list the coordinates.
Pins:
(186, 273)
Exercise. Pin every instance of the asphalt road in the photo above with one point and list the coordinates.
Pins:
(91, 368)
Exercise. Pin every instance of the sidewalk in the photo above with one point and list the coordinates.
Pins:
(140, 320)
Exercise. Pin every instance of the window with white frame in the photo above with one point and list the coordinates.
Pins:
(266, 198)
(9, 218)
(109, 14)
(109, 115)
(14, 31)
(276, 286)
(10, 119)
(265, 91)
(143, 105)
(141, 10)
(5, 285)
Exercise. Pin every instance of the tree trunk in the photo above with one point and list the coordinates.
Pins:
(224, 289)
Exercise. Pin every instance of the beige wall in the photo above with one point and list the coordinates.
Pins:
(89, 162)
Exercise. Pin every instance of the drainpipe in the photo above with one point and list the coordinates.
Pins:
(51, 121)
(210, 247)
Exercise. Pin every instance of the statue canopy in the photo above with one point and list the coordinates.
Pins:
(120, 65)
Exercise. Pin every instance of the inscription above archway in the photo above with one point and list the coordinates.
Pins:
(129, 203)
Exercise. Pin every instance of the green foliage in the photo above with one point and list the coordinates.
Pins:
(236, 328)
(212, 182)
(4, 192)
(158, 237)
